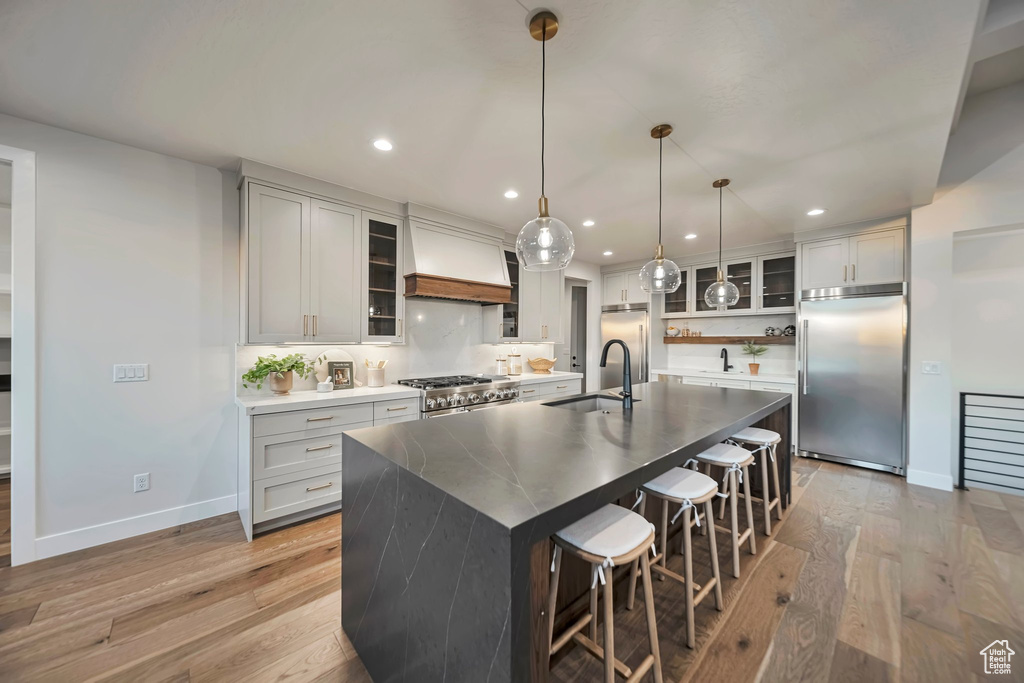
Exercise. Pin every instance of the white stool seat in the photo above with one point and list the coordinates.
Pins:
(609, 532)
(724, 454)
(682, 484)
(757, 435)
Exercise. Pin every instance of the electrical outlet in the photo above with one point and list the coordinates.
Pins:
(931, 367)
(141, 482)
(137, 372)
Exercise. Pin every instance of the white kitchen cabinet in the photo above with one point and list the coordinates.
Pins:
(383, 302)
(869, 258)
(721, 383)
(679, 304)
(740, 272)
(623, 288)
(876, 257)
(502, 322)
(303, 268)
(335, 247)
(550, 390)
(541, 294)
(776, 283)
(278, 265)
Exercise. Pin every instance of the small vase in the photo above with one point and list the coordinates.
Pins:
(281, 382)
(754, 367)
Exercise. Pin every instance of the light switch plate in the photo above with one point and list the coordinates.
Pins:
(136, 372)
(931, 367)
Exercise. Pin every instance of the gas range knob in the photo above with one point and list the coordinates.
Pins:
(514, 391)
(457, 400)
(431, 404)
(474, 398)
(442, 402)
(502, 393)
(490, 395)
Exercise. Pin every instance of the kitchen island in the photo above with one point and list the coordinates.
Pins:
(446, 522)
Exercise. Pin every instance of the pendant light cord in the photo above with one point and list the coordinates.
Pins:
(720, 229)
(660, 141)
(543, 88)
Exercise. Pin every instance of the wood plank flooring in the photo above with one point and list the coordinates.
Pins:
(866, 579)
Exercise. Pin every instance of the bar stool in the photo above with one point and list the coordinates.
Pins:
(609, 537)
(735, 460)
(687, 489)
(764, 441)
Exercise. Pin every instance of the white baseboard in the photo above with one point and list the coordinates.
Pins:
(930, 479)
(78, 539)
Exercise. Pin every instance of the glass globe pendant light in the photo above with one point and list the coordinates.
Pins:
(660, 275)
(545, 243)
(722, 293)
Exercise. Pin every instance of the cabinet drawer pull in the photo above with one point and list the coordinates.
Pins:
(844, 273)
(319, 419)
(853, 272)
(314, 325)
(527, 391)
(562, 386)
(400, 328)
(322, 486)
(319, 448)
(399, 408)
(305, 325)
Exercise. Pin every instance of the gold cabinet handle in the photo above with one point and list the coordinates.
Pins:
(319, 448)
(844, 273)
(305, 325)
(319, 419)
(400, 327)
(853, 272)
(314, 325)
(562, 386)
(322, 486)
(528, 391)
(399, 408)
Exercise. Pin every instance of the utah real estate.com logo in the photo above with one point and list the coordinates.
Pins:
(997, 657)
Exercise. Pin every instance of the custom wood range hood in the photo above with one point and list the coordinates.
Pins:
(454, 258)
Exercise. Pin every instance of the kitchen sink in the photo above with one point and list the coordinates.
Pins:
(590, 403)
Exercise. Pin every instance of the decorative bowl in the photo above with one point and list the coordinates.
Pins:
(541, 366)
(673, 331)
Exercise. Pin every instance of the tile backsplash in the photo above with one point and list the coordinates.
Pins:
(442, 337)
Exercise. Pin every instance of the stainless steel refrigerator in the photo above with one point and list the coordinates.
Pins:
(628, 322)
(852, 379)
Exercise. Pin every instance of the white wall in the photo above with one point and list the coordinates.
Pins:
(980, 187)
(137, 257)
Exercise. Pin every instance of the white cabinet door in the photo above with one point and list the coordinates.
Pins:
(825, 263)
(334, 274)
(776, 283)
(552, 288)
(278, 265)
(731, 384)
(382, 309)
(876, 257)
(531, 295)
(614, 289)
(634, 292)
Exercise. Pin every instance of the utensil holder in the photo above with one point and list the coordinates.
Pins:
(374, 377)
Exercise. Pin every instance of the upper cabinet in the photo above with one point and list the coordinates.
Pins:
(383, 306)
(318, 271)
(501, 321)
(679, 301)
(776, 283)
(623, 288)
(540, 296)
(740, 272)
(865, 259)
(766, 285)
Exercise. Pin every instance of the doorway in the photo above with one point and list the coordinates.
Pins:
(578, 330)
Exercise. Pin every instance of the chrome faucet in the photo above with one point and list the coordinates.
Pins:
(627, 380)
(725, 364)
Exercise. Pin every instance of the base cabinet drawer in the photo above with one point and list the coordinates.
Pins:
(395, 420)
(731, 384)
(402, 407)
(290, 493)
(549, 390)
(283, 454)
(306, 420)
(698, 381)
(772, 386)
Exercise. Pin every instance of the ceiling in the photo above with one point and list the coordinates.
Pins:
(845, 105)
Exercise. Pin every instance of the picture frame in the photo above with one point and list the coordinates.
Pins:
(342, 373)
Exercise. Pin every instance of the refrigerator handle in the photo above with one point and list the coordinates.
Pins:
(804, 359)
(643, 355)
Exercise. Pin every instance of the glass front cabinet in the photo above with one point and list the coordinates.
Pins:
(766, 285)
(776, 283)
(383, 299)
(503, 322)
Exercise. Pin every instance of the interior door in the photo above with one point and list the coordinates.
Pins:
(851, 385)
(876, 258)
(335, 257)
(824, 263)
(278, 263)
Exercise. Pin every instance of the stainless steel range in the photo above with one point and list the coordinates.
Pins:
(463, 393)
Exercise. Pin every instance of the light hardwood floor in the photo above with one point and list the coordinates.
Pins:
(866, 579)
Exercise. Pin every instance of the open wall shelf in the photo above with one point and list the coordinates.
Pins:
(730, 340)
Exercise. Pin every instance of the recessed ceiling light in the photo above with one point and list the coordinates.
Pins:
(588, 223)
(511, 194)
(816, 212)
(382, 144)
(691, 236)
(607, 253)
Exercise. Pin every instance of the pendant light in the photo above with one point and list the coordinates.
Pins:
(660, 275)
(722, 293)
(545, 243)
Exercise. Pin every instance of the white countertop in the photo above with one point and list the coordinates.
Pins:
(300, 400)
(553, 376)
(711, 374)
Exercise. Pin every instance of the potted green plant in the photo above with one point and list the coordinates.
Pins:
(280, 371)
(753, 350)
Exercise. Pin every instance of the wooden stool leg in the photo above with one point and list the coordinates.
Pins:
(664, 537)
(593, 608)
(652, 622)
(688, 565)
(633, 572)
(721, 508)
(553, 595)
(750, 510)
(734, 513)
(609, 630)
(713, 547)
(775, 478)
(766, 496)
